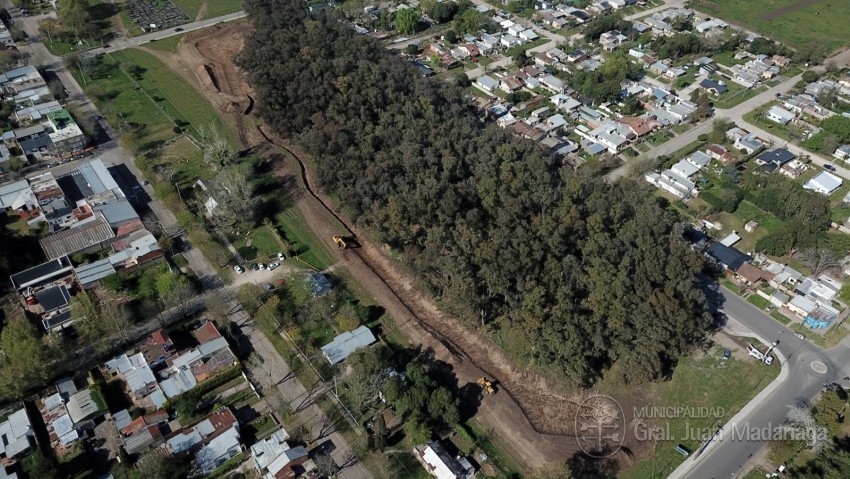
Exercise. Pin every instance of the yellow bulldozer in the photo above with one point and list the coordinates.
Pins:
(340, 242)
(486, 385)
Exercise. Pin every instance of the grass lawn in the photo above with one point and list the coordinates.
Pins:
(187, 160)
(703, 379)
(309, 248)
(788, 132)
(101, 13)
(822, 22)
(264, 247)
(726, 58)
(215, 8)
(168, 44)
(758, 301)
(152, 103)
(736, 94)
(777, 315)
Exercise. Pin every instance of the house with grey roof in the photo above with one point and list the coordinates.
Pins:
(824, 183)
(92, 234)
(779, 115)
(346, 343)
(274, 457)
(17, 437)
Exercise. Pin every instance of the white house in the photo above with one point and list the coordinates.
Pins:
(673, 183)
(487, 83)
(779, 115)
(685, 169)
(824, 183)
(528, 35)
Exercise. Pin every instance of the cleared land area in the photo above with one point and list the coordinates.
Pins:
(795, 23)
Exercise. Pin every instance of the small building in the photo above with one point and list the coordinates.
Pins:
(751, 226)
(779, 157)
(18, 436)
(487, 83)
(219, 450)
(276, 459)
(824, 183)
(713, 86)
(729, 257)
(90, 274)
(779, 115)
(437, 461)
(320, 285)
(135, 372)
(346, 343)
(41, 274)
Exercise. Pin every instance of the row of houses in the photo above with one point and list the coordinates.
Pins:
(85, 211)
(565, 16)
(810, 299)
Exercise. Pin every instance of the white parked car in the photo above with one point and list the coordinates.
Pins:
(238, 269)
(281, 257)
(262, 266)
(272, 266)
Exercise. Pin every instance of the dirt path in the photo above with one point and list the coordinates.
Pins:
(789, 9)
(201, 12)
(533, 415)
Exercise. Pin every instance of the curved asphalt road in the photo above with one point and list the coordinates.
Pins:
(728, 456)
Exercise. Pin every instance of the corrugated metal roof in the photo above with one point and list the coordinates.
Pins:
(346, 343)
(77, 239)
(97, 176)
(117, 212)
(81, 406)
(89, 273)
(122, 419)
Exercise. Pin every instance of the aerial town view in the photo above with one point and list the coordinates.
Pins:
(412, 239)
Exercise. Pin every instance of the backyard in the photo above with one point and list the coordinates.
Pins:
(793, 22)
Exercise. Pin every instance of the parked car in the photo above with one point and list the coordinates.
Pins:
(261, 266)
(272, 266)
(255, 266)
(238, 269)
(281, 257)
(178, 29)
(799, 335)
(727, 354)
(828, 167)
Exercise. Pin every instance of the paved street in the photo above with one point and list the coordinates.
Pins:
(729, 455)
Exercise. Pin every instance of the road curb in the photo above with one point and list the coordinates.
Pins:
(747, 410)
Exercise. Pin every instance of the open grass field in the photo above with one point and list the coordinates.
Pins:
(214, 8)
(152, 101)
(703, 379)
(793, 22)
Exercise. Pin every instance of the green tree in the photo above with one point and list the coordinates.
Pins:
(416, 431)
(407, 21)
(25, 360)
(470, 21)
(829, 411)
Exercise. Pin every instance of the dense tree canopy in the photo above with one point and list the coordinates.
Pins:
(570, 274)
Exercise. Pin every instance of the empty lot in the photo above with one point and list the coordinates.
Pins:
(793, 22)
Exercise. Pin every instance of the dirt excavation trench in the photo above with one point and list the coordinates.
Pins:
(533, 416)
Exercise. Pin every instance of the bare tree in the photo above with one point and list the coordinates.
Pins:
(266, 376)
(820, 260)
(117, 319)
(179, 298)
(217, 152)
(803, 426)
(325, 465)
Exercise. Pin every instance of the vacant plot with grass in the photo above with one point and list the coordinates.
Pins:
(137, 92)
(703, 379)
(796, 23)
(214, 8)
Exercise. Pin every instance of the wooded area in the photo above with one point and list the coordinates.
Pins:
(569, 274)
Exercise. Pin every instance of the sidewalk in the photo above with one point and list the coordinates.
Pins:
(735, 328)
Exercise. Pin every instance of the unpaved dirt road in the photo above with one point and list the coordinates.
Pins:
(532, 415)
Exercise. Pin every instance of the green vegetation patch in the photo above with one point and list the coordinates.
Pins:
(793, 22)
(214, 8)
(142, 97)
(703, 379)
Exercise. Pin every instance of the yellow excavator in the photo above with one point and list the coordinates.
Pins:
(486, 385)
(340, 242)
